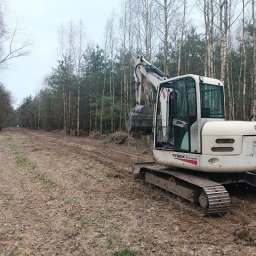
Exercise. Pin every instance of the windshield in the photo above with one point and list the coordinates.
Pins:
(212, 101)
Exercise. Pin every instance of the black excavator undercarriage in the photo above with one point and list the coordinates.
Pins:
(205, 191)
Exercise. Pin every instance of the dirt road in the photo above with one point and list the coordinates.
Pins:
(63, 195)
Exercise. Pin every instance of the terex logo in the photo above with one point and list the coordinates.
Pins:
(185, 158)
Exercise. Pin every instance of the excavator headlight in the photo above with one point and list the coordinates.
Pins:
(214, 161)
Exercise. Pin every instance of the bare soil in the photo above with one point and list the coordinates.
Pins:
(62, 195)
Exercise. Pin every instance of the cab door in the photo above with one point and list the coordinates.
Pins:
(181, 113)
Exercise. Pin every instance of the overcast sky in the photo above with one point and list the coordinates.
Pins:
(39, 22)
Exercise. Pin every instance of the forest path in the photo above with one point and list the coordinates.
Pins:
(62, 195)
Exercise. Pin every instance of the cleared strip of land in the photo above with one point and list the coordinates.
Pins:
(62, 195)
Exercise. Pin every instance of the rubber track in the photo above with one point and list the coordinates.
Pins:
(217, 195)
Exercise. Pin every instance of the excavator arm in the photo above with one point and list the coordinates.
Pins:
(145, 70)
(141, 116)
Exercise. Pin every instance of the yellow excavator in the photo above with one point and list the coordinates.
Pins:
(196, 151)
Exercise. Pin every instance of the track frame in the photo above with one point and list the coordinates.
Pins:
(205, 190)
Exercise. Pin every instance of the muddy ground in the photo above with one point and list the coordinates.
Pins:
(62, 195)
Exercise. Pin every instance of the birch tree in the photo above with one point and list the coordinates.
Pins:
(146, 27)
(254, 61)
(71, 49)
(244, 62)
(181, 43)
(223, 5)
(78, 51)
(129, 45)
(110, 48)
(208, 8)
(167, 16)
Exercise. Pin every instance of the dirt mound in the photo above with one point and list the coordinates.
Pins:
(119, 137)
(116, 137)
(97, 135)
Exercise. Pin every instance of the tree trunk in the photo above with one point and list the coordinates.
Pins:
(102, 103)
(244, 68)
(209, 37)
(166, 35)
(64, 108)
(78, 109)
(254, 61)
(181, 37)
(69, 110)
(224, 32)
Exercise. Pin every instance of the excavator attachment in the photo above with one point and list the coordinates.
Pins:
(140, 120)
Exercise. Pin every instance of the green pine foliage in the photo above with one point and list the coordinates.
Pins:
(106, 87)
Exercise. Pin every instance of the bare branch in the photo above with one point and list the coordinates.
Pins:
(13, 52)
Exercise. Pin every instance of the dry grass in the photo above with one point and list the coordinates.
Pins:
(76, 196)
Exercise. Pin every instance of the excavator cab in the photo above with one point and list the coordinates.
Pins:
(183, 106)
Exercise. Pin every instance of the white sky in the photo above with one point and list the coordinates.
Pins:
(39, 21)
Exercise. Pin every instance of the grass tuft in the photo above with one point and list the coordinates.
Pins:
(7, 199)
(82, 220)
(23, 161)
(125, 252)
